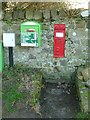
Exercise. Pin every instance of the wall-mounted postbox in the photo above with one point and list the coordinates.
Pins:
(59, 40)
(9, 39)
(30, 34)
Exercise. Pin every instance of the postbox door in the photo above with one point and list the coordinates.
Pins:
(59, 43)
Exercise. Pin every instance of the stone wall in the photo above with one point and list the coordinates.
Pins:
(83, 87)
(76, 47)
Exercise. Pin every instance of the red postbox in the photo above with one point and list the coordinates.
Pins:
(59, 40)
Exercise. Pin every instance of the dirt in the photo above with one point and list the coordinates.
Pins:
(57, 101)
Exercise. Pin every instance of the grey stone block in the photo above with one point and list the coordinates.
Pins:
(8, 16)
(29, 14)
(61, 13)
(37, 14)
(54, 15)
(1, 15)
(18, 14)
(46, 14)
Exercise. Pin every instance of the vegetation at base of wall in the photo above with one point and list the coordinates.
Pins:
(37, 84)
(10, 87)
(83, 93)
(35, 95)
(21, 84)
(83, 116)
(0, 94)
(11, 96)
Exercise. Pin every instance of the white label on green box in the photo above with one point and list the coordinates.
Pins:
(29, 38)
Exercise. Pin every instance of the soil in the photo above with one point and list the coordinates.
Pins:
(57, 101)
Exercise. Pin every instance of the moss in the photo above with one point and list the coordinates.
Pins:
(83, 116)
(9, 22)
(11, 96)
(18, 79)
(83, 95)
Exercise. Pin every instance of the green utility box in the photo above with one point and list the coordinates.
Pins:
(31, 34)
(1, 58)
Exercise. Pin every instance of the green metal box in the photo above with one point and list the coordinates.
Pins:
(31, 34)
(1, 58)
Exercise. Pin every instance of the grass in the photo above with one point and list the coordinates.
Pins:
(83, 116)
(10, 85)
(37, 84)
(35, 94)
(19, 83)
(11, 96)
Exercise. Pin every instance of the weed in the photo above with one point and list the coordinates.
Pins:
(36, 91)
(83, 116)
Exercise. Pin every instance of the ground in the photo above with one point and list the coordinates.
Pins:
(56, 101)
